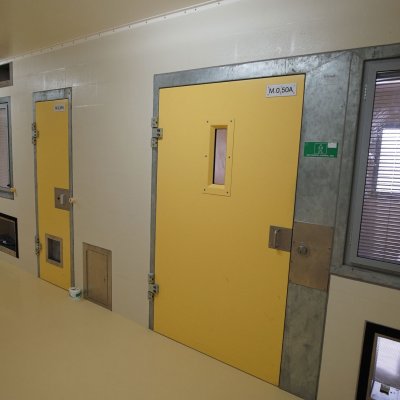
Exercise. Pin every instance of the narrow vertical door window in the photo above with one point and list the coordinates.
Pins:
(220, 156)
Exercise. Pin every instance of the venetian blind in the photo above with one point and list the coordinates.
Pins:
(380, 221)
(4, 148)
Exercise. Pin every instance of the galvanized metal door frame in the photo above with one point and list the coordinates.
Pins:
(49, 95)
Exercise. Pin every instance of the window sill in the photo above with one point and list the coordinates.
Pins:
(381, 278)
(7, 193)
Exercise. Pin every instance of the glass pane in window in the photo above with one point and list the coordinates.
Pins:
(387, 362)
(389, 162)
(220, 156)
(380, 220)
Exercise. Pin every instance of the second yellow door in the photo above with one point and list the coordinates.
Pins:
(227, 168)
(53, 191)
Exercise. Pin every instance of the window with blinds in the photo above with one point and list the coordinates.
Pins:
(5, 149)
(375, 236)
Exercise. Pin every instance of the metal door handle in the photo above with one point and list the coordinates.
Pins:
(280, 238)
(275, 238)
(62, 199)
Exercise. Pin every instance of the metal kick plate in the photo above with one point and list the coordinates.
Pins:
(61, 199)
(280, 238)
(311, 255)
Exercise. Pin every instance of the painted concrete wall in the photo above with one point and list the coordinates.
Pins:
(112, 104)
(350, 304)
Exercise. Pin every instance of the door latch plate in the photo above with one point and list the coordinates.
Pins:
(311, 255)
(61, 199)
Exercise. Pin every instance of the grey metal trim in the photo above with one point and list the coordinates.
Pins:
(47, 95)
(154, 162)
(54, 94)
(6, 192)
(303, 339)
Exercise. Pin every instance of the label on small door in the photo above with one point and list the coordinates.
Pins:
(282, 90)
(59, 108)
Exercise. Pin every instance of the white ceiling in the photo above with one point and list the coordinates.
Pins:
(27, 25)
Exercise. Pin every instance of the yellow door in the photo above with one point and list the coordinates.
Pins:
(53, 191)
(227, 168)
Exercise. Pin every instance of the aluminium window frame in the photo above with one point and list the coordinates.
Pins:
(371, 68)
(5, 192)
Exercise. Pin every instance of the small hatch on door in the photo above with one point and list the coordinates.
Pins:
(54, 250)
(97, 275)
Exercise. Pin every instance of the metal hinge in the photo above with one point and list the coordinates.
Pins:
(153, 287)
(157, 133)
(35, 133)
(38, 245)
(365, 92)
(154, 122)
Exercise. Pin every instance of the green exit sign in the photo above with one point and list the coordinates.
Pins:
(321, 149)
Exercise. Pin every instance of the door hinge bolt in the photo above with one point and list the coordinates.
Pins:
(154, 122)
(156, 135)
(156, 132)
(153, 287)
(35, 133)
(38, 245)
(365, 92)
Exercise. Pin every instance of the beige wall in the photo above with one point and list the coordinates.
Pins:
(112, 105)
(350, 305)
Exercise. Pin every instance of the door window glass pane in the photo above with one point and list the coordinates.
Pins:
(220, 156)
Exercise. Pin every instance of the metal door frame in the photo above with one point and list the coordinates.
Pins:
(49, 95)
